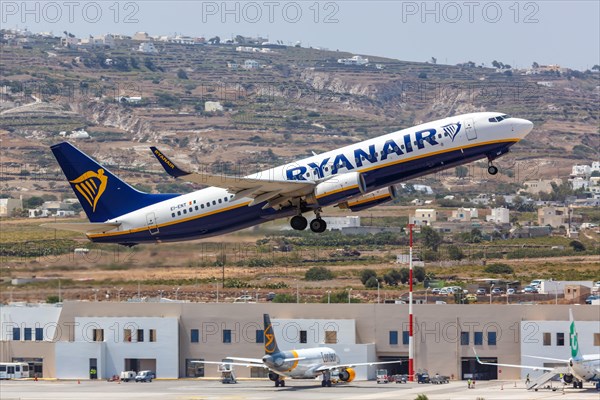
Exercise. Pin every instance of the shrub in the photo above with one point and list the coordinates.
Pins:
(372, 282)
(366, 274)
(577, 245)
(498, 268)
(318, 274)
(284, 298)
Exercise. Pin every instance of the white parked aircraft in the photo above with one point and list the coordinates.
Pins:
(581, 368)
(354, 177)
(297, 364)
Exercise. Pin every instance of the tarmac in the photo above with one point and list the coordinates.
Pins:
(200, 389)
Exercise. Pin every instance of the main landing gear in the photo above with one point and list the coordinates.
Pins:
(492, 169)
(317, 225)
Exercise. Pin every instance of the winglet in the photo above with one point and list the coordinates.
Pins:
(167, 164)
(476, 356)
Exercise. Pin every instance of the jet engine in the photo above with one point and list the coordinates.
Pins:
(336, 188)
(568, 378)
(370, 199)
(347, 374)
(273, 376)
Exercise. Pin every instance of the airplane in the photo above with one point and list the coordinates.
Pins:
(582, 368)
(354, 177)
(297, 364)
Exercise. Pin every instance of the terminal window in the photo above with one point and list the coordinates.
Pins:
(27, 335)
(260, 336)
(596, 339)
(39, 334)
(140, 335)
(393, 337)
(330, 337)
(464, 338)
(127, 335)
(560, 338)
(152, 335)
(547, 339)
(478, 339)
(492, 338)
(16, 333)
(98, 335)
(302, 336)
(195, 336)
(405, 337)
(227, 336)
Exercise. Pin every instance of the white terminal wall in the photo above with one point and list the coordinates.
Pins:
(72, 358)
(24, 316)
(532, 342)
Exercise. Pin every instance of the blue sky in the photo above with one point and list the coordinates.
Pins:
(514, 32)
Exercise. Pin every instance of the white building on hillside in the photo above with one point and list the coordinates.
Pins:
(423, 217)
(499, 215)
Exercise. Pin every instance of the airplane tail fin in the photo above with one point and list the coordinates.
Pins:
(573, 342)
(102, 195)
(270, 341)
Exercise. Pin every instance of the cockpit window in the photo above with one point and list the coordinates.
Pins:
(500, 118)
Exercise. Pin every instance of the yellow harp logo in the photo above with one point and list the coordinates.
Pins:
(91, 185)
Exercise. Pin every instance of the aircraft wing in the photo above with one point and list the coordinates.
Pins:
(83, 226)
(352, 365)
(548, 358)
(258, 188)
(239, 364)
(248, 360)
(535, 368)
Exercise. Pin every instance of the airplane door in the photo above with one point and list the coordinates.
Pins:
(470, 129)
(151, 223)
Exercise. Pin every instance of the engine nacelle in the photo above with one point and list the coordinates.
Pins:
(347, 374)
(370, 199)
(568, 378)
(273, 376)
(337, 188)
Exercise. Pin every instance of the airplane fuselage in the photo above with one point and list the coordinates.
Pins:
(379, 163)
(307, 364)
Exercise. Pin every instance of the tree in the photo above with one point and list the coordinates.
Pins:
(318, 274)
(498, 268)
(496, 64)
(52, 299)
(455, 253)
(365, 274)
(339, 297)
(181, 74)
(393, 277)
(33, 202)
(577, 245)
(422, 75)
(431, 238)
(535, 65)
(596, 67)
(372, 282)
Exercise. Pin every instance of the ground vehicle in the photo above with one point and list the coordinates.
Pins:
(14, 370)
(435, 291)
(400, 378)
(145, 376)
(423, 377)
(439, 379)
(444, 292)
(589, 299)
(497, 290)
(481, 291)
(529, 289)
(471, 297)
(511, 291)
(227, 374)
(271, 296)
(127, 376)
(382, 376)
(244, 299)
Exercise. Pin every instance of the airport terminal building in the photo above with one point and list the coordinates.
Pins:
(83, 340)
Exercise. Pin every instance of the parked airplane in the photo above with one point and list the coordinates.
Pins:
(297, 364)
(354, 177)
(580, 367)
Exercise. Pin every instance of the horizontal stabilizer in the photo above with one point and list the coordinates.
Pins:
(85, 227)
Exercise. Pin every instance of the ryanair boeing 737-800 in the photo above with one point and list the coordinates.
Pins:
(354, 177)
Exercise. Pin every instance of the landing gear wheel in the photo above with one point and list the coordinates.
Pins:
(277, 383)
(282, 383)
(328, 383)
(323, 383)
(317, 225)
(298, 223)
(492, 170)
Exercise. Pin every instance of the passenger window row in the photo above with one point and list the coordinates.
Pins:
(201, 206)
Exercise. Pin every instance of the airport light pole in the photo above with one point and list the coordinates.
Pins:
(377, 291)
(95, 294)
(217, 285)
(349, 293)
(328, 296)
(119, 294)
(177, 293)
(491, 287)
(411, 350)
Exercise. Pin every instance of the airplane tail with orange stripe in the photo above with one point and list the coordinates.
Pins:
(102, 195)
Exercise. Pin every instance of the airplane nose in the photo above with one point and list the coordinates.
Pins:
(522, 127)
